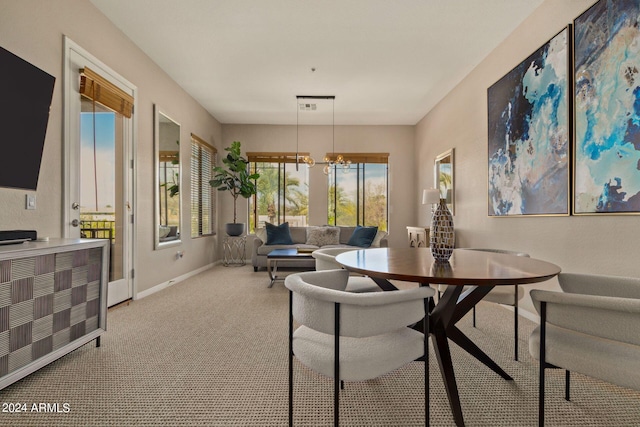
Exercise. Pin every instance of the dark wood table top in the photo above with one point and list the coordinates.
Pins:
(466, 267)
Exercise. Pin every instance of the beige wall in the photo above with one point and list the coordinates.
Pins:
(33, 30)
(589, 244)
(398, 141)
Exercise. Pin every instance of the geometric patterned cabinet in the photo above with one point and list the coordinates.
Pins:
(53, 299)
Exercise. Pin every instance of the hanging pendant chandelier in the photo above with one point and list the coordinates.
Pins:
(329, 161)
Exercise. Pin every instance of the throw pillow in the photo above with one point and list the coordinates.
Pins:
(322, 236)
(278, 234)
(379, 236)
(261, 233)
(363, 236)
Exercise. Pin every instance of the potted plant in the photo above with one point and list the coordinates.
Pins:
(234, 177)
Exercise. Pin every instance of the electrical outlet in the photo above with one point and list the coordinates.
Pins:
(31, 202)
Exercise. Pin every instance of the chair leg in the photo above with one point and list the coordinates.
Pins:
(567, 384)
(515, 323)
(543, 332)
(425, 329)
(474, 316)
(290, 359)
(336, 366)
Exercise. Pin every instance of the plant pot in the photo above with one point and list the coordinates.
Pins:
(234, 229)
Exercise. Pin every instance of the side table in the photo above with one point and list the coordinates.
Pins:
(233, 249)
(418, 237)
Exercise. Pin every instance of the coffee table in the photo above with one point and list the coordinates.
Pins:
(283, 255)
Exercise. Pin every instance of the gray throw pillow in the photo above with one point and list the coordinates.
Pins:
(322, 236)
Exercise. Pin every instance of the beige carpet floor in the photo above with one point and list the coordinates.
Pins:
(212, 351)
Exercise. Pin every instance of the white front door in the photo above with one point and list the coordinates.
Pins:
(99, 171)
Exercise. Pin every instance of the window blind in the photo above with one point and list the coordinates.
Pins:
(99, 89)
(273, 157)
(202, 202)
(362, 157)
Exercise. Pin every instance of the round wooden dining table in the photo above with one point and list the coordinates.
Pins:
(480, 270)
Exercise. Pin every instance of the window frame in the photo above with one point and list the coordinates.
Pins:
(359, 162)
(284, 160)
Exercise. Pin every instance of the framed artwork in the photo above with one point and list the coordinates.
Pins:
(607, 109)
(443, 171)
(530, 134)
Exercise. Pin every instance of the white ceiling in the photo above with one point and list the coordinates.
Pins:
(386, 62)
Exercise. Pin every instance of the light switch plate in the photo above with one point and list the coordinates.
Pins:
(31, 202)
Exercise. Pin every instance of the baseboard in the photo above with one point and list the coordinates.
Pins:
(161, 286)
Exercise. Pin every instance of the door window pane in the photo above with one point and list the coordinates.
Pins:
(101, 181)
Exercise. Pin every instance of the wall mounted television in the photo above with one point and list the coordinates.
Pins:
(25, 100)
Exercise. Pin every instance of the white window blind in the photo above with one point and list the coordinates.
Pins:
(202, 201)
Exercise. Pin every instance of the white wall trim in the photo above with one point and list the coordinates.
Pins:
(161, 286)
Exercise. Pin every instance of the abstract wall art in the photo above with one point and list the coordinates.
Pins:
(607, 109)
(530, 134)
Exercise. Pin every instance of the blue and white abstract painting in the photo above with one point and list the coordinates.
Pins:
(529, 135)
(607, 106)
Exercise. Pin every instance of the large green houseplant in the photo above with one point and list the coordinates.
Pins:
(234, 177)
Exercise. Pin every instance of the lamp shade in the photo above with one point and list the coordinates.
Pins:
(430, 196)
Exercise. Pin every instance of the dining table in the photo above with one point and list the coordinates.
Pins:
(477, 270)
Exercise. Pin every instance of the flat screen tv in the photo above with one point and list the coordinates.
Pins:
(25, 100)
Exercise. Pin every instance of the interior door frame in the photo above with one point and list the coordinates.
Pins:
(70, 90)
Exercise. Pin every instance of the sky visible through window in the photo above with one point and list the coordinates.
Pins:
(105, 162)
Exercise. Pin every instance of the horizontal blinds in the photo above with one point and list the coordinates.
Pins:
(203, 142)
(202, 160)
(273, 157)
(99, 89)
(168, 156)
(362, 157)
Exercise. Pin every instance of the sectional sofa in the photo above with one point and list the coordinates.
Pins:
(302, 239)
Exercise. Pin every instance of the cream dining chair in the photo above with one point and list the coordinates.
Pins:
(326, 260)
(591, 327)
(354, 336)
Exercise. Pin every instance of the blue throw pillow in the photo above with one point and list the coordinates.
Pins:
(362, 236)
(278, 234)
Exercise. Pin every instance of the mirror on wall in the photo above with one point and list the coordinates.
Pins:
(444, 178)
(167, 185)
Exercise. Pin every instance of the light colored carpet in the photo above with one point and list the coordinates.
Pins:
(212, 351)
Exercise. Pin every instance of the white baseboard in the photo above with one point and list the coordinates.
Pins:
(161, 286)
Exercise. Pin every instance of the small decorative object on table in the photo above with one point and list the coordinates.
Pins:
(442, 235)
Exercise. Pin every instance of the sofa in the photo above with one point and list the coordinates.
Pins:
(299, 236)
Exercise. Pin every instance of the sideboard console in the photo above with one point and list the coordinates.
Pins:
(53, 299)
(418, 237)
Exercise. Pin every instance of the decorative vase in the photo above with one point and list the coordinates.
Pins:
(442, 237)
(234, 229)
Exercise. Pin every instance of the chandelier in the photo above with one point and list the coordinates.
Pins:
(329, 161)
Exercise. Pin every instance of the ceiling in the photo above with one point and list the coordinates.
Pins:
(386, 62)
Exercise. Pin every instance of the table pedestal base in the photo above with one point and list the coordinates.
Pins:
(451, 307)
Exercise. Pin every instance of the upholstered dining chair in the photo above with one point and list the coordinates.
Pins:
(354, 336)
(505, 295)
(591, 327)
(326, 260)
